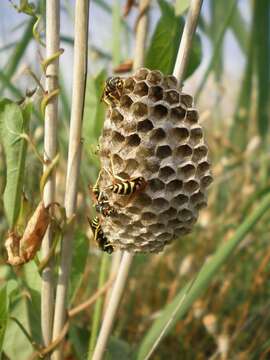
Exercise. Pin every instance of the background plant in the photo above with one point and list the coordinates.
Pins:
(235, 111)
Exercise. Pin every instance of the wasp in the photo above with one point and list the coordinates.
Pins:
(101, 200)
(122, 186)
(128, 187)
(112, 91)
(99, 235)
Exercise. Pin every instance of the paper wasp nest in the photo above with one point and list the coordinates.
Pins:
(153, 132)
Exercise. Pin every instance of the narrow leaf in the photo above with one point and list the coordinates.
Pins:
(3, 315)
(13, 121)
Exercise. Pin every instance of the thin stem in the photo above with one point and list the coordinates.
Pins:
(98, 306)
(74, 157)
(127, 258)
(141, 32)
(186, 40)
(50, 149)
(109, 317)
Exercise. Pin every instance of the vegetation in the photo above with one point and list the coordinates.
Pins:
(206, 295)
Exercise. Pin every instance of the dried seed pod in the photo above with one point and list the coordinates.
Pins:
(22, 250)
(152, 131)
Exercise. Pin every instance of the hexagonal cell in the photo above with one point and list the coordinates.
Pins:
(170, 81)
(155, 93)
(131, 165)
(141, 74)
(185, 214)
(174, 185)
(117, 161)
(159, 112)
(179, 134)
(133, 140)
(139, 109)
(173, 223)
(183, 151)
(179, 200)
(157, 135)
(130, 126)
(156, 185)
(187, 170)
(206, 180)
(199, 153)
(160, 204)
(123, 218)
(154, 228)
(163, 151)
(164, 237)
(166, 172)
(191, 186)
(129, 84)
(168, 214)
(203, 167)
(116, 117)
(125, 102)
(117, 138)
(186, 99)
(171, 96)
(152, 164)
(196, 135)
(145, 125)
(178, 113)
(201, 205)
(134, 210)
(148, 216)
(181, 231)
(142, 199)
(197, 198)
(106, 132)
(154, 77)
(192, 116)
(141, 88)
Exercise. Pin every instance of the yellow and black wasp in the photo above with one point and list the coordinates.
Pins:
(99, 235)
(128, 187)
(112, 91)
(101, 200)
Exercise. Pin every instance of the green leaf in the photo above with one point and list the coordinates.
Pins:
(262, 43)
(118, 349)
(33, 281)
(182, 303)
(240, 30)
(13, 121)
(165, 41)
(15, 340)
(3, 315)
(181, 6)
(81, 246)
(79, 339)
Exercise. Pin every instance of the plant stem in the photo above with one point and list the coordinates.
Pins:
(141, 32)
(186, 40)
(50, 149)
(74, 157)
(113, 304)
(98, 305)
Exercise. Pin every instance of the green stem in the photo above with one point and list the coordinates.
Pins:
(98, 306)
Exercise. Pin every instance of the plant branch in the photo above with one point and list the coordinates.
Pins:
(186, 40)
(74, 157)
(50, 149)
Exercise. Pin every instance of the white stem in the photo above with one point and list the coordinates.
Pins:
(50, 149)
(141, 33)
(116, 260)
(186, 40)
(113, 304)
(74, 157)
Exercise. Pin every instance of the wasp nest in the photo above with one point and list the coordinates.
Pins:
(153, 132)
